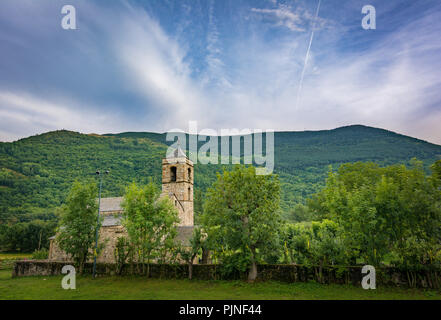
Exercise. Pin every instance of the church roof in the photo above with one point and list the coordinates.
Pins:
(111, 204)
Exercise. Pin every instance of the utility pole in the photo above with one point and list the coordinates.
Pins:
(98, 221)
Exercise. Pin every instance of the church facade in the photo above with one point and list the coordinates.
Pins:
(177, 184)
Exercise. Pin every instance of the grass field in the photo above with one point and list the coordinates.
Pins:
(14, 256)
(7, 259)
(142, 288)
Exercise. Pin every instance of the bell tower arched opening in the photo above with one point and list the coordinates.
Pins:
(173, 174)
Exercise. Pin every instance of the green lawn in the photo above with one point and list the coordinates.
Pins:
(142, 288)
(7, 259)
(14, 256)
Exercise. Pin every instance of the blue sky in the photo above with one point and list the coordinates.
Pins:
(155, 65)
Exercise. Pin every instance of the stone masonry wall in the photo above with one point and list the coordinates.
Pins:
(108, 235)
(283, 273)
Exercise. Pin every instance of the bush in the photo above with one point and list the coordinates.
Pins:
(42, 254)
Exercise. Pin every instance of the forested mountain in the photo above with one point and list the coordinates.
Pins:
(37, 172)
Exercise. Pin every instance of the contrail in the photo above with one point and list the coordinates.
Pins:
(307, 54)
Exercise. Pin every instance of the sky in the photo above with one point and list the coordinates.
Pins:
(156, 65)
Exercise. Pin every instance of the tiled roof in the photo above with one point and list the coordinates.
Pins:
(111, 204)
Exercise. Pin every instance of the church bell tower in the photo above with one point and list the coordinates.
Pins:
(177, 184)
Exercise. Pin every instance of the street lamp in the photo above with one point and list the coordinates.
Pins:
(98, 173)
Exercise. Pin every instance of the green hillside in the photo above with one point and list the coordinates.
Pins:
(36, 173)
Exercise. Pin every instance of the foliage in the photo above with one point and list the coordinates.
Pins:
(37, 172)
(26, 236)
(123, 250)
(318, 243)
(188, 254)
(150, 222)
(241, 215)
(385, 214)
(295, 241)
(198, 205)
(383, 210)
(78, 223)
(299, 213)
(40, 254)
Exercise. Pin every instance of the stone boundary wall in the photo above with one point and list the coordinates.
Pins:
(268, 272)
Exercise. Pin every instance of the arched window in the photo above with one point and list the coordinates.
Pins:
(189, 174)
(189, 194)
(173, 174)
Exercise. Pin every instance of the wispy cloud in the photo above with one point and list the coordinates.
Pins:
(282, 16)
(302, 75)
(22, 114)
(127, 69)
(155, 65)
(215, 73)
(293, 17)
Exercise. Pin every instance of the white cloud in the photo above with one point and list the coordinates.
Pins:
(215, 74)
(392, 85)
(156, 69)
(22, 114)
(283, 16)
(296, 19)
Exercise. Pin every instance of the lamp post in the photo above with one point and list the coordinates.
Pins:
(98, 222)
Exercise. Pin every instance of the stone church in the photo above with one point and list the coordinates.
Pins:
(177, 184)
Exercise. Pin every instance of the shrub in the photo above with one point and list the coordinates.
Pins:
(42, 254)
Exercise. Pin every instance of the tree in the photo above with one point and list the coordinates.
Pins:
(198, 205)
(379, 209)
(78, 223)
(300, 213)
(150, 222)
(316, 243)
(242, 213)
(326, 245)
(26, 236)
(436, 174)
(188, 254)
(296, 240)
(123, 250)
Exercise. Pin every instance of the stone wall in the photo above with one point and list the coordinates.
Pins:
(108, 236)
(283, 273)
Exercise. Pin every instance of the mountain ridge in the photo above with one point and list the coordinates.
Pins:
(37, 171)
(147, 134)
(323, 131)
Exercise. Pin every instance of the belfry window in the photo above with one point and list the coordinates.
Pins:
(189, 174)
(173, 174)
